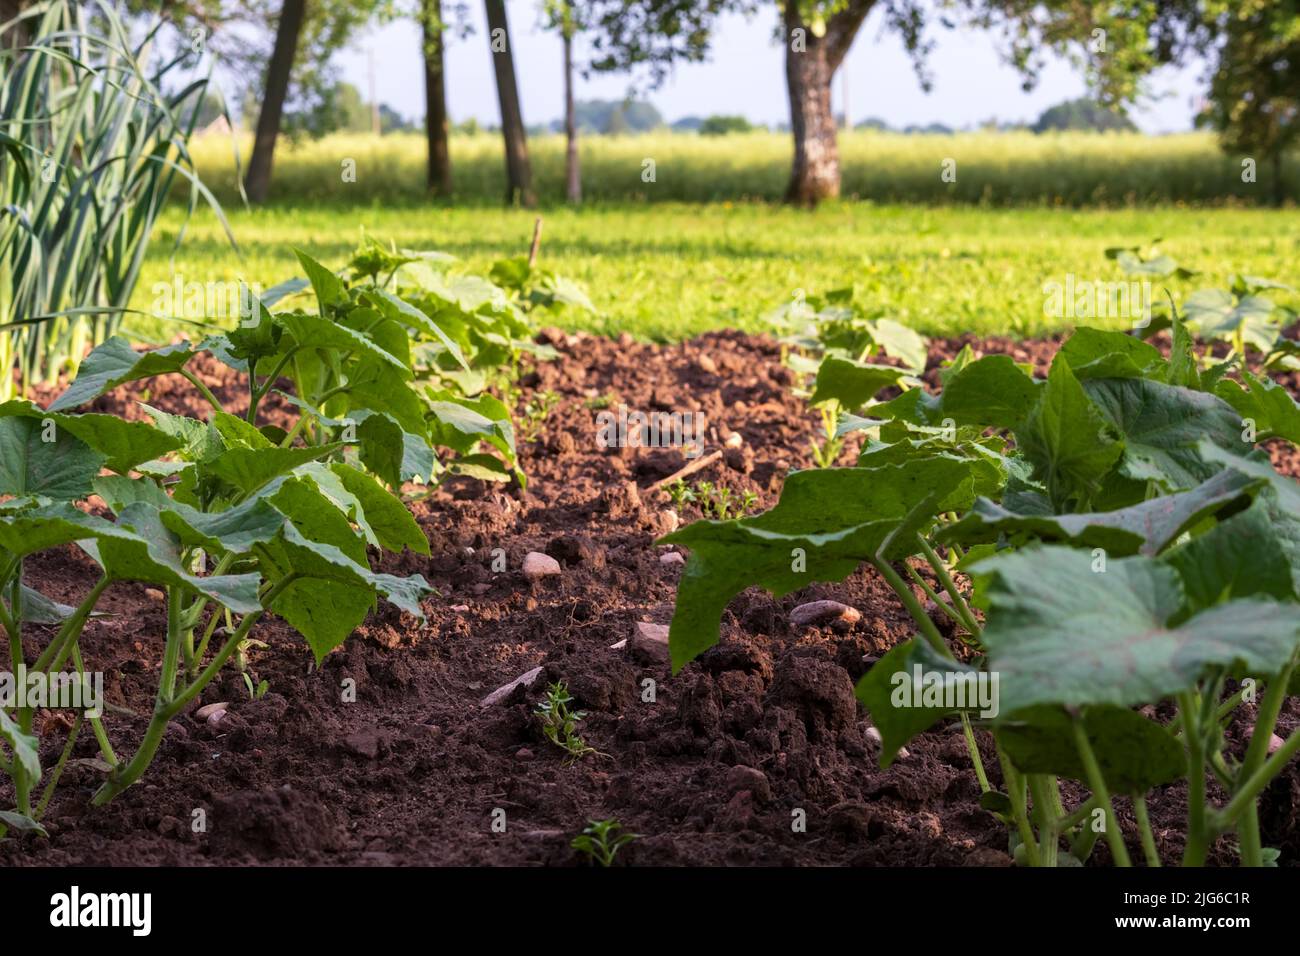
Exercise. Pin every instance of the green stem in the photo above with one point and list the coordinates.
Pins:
(58, 768)
(929, 592)
(1198, 836)
(1255, 784)
(71, 629)
(1114, 836)
(973, 746)
(1015, 784)
(958, 601)
(1144, 830)
(203, 389)
(1078, 814)
(904, 592)
(1045, 814)
(96, 723)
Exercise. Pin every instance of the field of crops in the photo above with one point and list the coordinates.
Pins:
(670, 271)
(1071, 169)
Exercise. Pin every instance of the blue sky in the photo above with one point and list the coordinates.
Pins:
(745, 75)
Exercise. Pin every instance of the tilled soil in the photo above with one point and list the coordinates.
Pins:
(757, 753)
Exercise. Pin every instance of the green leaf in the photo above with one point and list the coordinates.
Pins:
(1266, 403)
(319, 332)
(61, 469)
(151, 553)
(1146, 528)
(248, 469)
(836, 518)
(199, 441)
(21, 823)
(392, 523)
(1094, 353)
(896, 701)
(24, 747)
(852, 384)
(1240, 557)
(1162, 426)
(407, 314)
(1068, 440)
(992, 391)
(327, 286)
(1218, 314)
(392, 453)
(123, 444)
(1042, 599)
(900, 342)
(115, 363)
(1134, 754)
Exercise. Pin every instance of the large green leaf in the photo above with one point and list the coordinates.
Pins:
(29, 465)
(1070, 443)
(836, 518)
(152, 553)
(123, 444)
(318, 332)
(248, 469)
(1240, 557)
(1266, 403)
(1060, 632)
(1217, 313)
(392, 523)
(992, 391)
(115, 363)
(1095, 353)
(852, 384)
(327, 286)
(889, 692)
(1146, 528)
(1134, 754)
(1162, 426)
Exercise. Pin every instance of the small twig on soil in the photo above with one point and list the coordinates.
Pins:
(733, 441)
(698, 464)
(537, 243)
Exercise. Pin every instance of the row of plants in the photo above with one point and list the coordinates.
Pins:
(1118, 558)
(383, 387)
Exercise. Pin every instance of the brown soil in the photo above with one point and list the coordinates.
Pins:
(713, 771)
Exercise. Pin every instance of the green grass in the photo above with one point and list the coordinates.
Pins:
(669, 271)
(999, 169)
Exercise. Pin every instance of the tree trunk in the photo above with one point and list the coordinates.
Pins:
(258, 181)
(572, 171)
(810, 65)
(435, 101)
(519, 174)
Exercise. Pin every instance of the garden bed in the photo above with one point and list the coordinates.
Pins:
(713, 771)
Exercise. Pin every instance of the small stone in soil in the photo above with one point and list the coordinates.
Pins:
(747, 778)
(207, 710)
(538, 566)
(822, 612)
(153, 594)
(501, 693)
(650, 641)
(671, 557)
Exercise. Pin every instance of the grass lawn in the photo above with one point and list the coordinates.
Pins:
(668, 271)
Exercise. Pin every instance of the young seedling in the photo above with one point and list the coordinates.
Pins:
(535, 414)
(601, 840)
(560, 724)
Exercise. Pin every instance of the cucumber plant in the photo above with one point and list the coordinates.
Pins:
(1106, 539)
(233, 519)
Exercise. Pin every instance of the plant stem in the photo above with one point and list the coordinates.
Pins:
(96, 723)
(1198, 837)
(58, 768)
(1015, 784)
(973, 746)
(945, 578)
(904, 592)
(1252, 787)
(1114, 836)
(203, 389)
(1048, 836)
(1144, 830)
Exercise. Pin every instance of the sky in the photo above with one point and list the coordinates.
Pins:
(745, 74)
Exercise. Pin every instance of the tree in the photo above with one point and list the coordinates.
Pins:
(1254, 102)
(1083, 113)
(567, 23)
(718, 125)
(438, 174)
(257, 183)
(519, 173)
